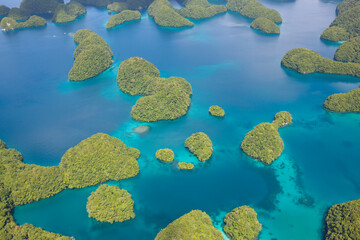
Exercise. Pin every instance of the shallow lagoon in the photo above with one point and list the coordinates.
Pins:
(228, 64)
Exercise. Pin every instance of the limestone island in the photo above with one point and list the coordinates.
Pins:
(8, 24)
(193, 225)
(253, 9)
(110, 204)
(165, 15)
(40, 6)
(92, 56)
(264, 143)
(199, 9)
(166, 98)
(117, 7)
(96, 3)
(165, 155)
(242, 223)
(343, 221)
(4, 10)
(349, 51)
(304, 60)
(185, 166)
(200, 145)
(344, 102)
(345, 26)
(19, 14)
(265, 25)
(68, 12)
(216, 111)
(122, 17)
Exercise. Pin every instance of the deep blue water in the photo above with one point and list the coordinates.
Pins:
(228, 64)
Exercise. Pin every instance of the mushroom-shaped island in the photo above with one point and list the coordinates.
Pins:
(68, 12)
(185, 166)
(165, 155)
(265, 25)
(344, 102)
(122, 17)
(200, 145)
(216, 111)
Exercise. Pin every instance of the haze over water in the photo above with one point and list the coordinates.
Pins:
(228, 64)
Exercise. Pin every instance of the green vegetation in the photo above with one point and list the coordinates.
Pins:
(117, 6)
(4, 10)
(242, 223)
(8, 23)
(92, 56)
(185, 166)
(200, 145)
(216, 111)
(40, 6)
(110, 204)
(304, 60)
(346, 24)
(19, 14)
(195, 225)
(349, 51)
(97, 159)
(2, 144)
(198, 9)
(265, 25)
(167, 99)
(165, 15)
(68, 12)
(253, 9)
(344, 102)
(264, 142)
(96, 3)
(166, 155)
(124, 16)
(343, 221)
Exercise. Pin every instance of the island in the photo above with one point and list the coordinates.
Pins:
(110, 204)
(344, 102)
(8, 23)
(92, 56)
(216, 111)
(165, 15)
(343, 221)
(349, 51)
(40, 6)
(122, 17)
(253, 9)
(68, 12)
(193, 225)
(345, 25)
(117, 6)
(185, 166)
(19, 14)
(96, 3)
(265, 25)
(304, 60)
(199, 9)
(165, 155)
(242, 223)
(200, 145)
(264, 143)
(4, 10)
(166, 98)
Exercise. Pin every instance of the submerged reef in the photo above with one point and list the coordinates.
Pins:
(92, 56)
(185, 166)
(68, 12)
(122, 17)
(344, 102)
(8, 23)
(346, 24)
(200, 145)
(343, 221)
(304, 60)
(198, 9)
(242, 223)
(253, 9)
(265, 25)
(110, 204)
(193, 225)
(167, 98)
(216, 111)
(264, 143)
(166, 155)
(165, 15)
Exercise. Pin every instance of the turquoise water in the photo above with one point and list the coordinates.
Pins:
(228, 64)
